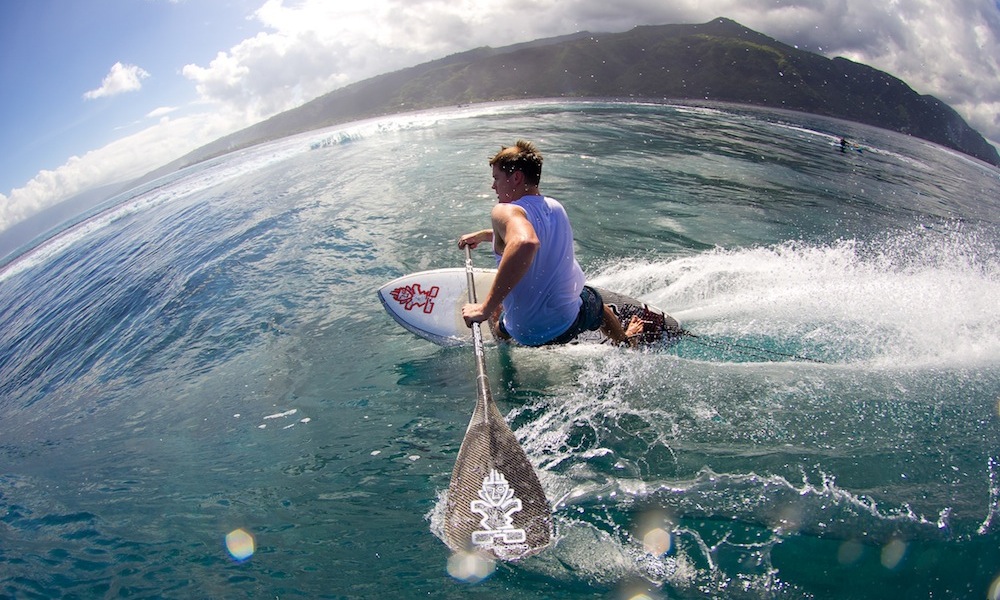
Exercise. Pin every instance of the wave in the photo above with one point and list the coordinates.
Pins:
(922, 299)
(733, 460)
(176, 186)
(716, 459)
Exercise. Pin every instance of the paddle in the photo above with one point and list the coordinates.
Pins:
(496, 504)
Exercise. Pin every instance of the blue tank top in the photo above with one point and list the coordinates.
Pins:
(547, 300)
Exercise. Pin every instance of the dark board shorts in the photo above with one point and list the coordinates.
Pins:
(590, 318)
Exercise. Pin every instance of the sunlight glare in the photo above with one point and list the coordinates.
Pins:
(892, 554)
(240, 544)
(657, 541)
(849, 552)
(470, 567)
(654, 529)
(994, 593)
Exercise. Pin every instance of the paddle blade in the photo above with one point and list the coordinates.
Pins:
(496, 504)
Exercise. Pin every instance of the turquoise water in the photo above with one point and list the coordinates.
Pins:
(209, 356)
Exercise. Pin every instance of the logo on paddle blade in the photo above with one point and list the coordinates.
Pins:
(497, 506)
(411, 296)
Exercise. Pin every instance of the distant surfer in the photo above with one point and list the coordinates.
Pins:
(538, 296)
(846, 145)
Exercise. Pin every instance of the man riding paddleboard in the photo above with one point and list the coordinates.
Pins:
(539, 295)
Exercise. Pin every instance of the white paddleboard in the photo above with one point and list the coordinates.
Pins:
(429, 304)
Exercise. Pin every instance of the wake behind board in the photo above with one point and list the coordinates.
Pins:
(429, 304)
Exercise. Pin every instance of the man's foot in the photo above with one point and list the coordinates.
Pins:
(635, 326)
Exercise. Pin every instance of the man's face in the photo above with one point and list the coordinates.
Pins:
(505, 185)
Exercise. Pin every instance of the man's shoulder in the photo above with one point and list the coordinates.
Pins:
(508, 211)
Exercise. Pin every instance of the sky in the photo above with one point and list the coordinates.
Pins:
(99, 92)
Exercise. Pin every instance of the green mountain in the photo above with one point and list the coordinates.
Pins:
(718, 61)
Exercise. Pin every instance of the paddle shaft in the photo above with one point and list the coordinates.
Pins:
(496, 504)
(482, 381)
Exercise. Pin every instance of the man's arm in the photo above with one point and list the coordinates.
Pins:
(520, 244)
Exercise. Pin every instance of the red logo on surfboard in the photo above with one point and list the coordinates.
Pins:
(411, 296)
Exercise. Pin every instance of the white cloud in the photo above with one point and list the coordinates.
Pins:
(162, 111)
(315, 46)
(119, 161)
(121, 79)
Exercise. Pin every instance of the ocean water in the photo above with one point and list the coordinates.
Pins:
(208, 359)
